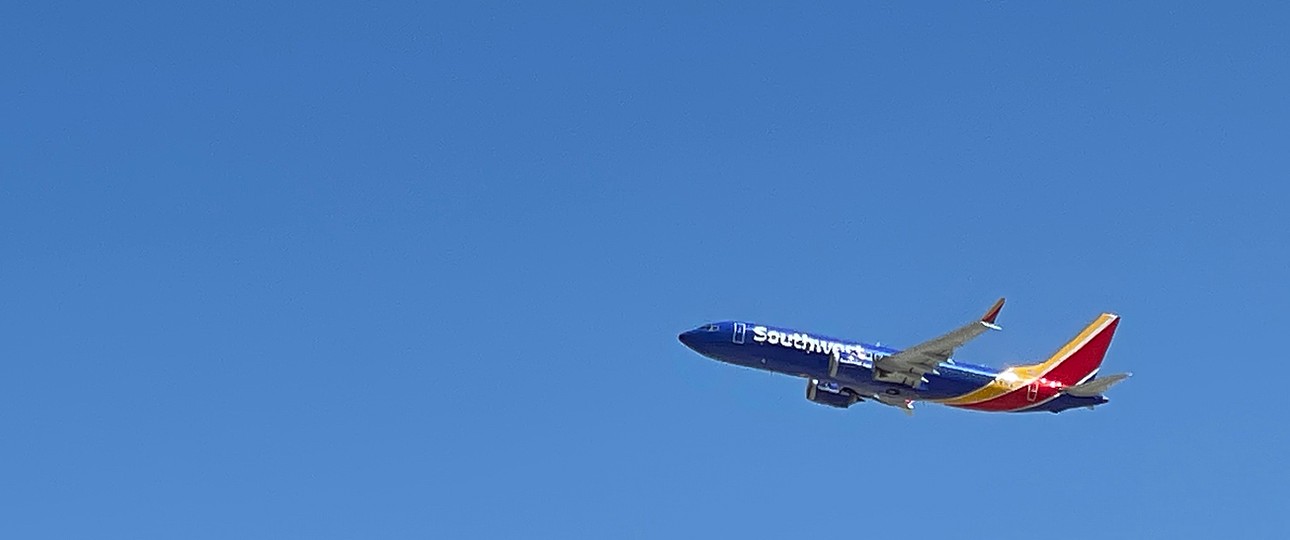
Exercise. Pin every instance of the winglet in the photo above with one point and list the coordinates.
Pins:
(992, 314)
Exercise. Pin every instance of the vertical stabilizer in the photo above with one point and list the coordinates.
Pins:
(1080, 358)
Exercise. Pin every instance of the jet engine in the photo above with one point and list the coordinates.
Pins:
(830, 393)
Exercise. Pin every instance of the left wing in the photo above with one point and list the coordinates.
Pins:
(908, 367)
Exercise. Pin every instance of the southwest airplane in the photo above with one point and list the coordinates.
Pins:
(841, 373)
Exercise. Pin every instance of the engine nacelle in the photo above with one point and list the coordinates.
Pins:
(830, 393)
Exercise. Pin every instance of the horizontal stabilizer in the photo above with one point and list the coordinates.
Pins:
(1096, 387)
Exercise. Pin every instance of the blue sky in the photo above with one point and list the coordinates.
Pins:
(415, 270)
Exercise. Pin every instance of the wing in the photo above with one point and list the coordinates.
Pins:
(908, 367)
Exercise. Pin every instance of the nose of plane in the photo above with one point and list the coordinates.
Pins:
(687, 338)
(699, 339)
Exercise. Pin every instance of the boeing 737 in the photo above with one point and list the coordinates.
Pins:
(842, 373)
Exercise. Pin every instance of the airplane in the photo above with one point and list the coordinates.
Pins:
(841, 373)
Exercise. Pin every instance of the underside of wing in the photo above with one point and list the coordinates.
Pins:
(908, 367)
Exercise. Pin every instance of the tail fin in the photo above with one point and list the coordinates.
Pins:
(1080, 358)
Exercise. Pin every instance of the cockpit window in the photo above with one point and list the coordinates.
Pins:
(712, 328)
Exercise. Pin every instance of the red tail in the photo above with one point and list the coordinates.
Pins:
(1081, 357)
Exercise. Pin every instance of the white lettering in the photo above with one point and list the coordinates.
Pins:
(810, 344)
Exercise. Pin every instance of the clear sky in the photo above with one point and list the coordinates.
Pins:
(416, 270)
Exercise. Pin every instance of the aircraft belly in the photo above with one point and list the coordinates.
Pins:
(937, 386)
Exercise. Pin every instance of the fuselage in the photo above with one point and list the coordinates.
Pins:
(807, 355)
